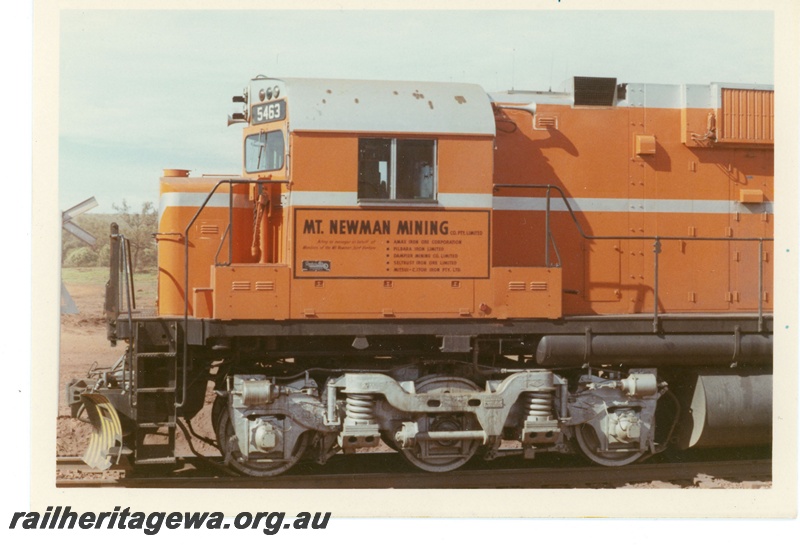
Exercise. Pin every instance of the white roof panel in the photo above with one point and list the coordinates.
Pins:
(382, 106)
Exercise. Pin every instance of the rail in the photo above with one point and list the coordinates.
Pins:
(656, 239)
(381, 470)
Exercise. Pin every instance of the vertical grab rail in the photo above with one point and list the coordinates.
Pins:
(111, 305)
(547, 230)
(129, 272)
(219, 249)
(760, 285)
(127, 280)
(555, 249)
(656, 251)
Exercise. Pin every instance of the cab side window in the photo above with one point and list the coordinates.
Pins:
(396, 169)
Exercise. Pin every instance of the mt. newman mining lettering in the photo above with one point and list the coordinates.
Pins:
(377, 227)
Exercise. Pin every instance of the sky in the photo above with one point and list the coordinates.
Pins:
(144, 90)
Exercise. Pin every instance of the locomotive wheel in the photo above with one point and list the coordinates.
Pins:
(226, 437)
(220, 406)
(441, 456)
(588, 442)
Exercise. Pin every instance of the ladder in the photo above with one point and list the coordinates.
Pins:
(154, 368)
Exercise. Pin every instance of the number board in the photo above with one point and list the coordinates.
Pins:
(266, 113)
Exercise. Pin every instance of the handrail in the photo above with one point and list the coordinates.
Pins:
(219, 248)
(656, 244)
(184, 370)
(229, 182)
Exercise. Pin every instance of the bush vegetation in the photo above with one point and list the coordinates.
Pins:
(137, 227)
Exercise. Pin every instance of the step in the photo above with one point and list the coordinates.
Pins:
(119, 451)
(155, 454)
(167, 390)
(156, 461)
(154, 425)
(146, 355)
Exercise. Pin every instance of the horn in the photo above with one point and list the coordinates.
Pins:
(236, 118)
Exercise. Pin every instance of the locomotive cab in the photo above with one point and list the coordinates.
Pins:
(356, 187)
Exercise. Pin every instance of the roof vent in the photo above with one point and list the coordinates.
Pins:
(594, 91)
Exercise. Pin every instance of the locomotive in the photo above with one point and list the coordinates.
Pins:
(455, 274)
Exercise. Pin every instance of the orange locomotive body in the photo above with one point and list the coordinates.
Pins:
(442, 268)
(631, 169)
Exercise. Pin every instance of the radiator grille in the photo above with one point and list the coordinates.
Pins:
(595, 91)
(747, 116)
(240, 285)
(266, 285)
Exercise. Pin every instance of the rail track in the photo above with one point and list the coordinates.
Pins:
(382, 471)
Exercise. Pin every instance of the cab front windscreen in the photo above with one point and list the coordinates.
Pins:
(264, 151)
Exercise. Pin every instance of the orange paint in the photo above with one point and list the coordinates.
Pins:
(475, 250)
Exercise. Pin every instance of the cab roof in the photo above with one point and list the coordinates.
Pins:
(381, 106)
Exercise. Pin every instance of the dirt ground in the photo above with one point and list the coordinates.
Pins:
(84, 344)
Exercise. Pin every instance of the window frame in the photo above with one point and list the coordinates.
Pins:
(266, 133)
(392, 174)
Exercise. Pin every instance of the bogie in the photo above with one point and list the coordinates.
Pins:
(437, 422)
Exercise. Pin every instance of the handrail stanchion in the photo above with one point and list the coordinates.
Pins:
(760, 285)
(656, 251)
(219, 248)
(547, 229)
(555, 249)
(130, 272)
(230, 225)
(125, 254)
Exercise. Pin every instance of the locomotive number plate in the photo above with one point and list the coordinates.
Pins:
(266, 113)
